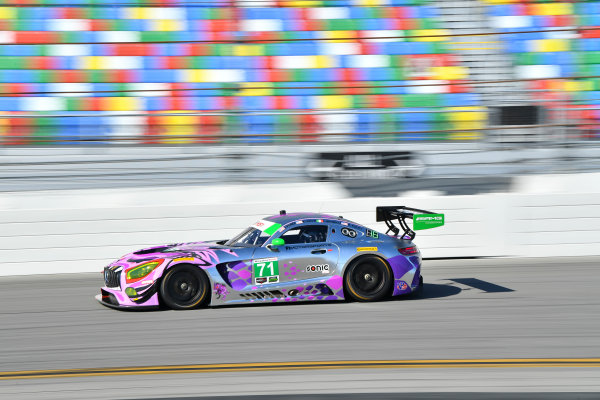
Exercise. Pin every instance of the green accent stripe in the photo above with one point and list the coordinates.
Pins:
(272, 229)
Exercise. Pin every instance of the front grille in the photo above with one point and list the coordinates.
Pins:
(112, 279)
(109, 298)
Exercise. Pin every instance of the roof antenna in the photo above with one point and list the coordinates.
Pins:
(282, 212)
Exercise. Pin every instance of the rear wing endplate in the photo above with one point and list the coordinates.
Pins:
(422, 219)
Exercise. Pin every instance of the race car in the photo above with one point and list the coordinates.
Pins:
(281, 258)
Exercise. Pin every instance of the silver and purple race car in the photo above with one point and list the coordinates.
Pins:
(282, 258)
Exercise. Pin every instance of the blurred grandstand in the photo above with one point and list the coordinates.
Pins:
(453, 84)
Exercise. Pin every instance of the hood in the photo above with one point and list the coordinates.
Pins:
(179, 248)
(200, 253)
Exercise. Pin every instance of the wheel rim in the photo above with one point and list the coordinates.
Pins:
(368, 279)
(184, 288)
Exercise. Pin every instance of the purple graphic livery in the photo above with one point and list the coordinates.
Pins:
(282, 258)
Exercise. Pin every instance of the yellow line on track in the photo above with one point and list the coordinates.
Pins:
(306, 365)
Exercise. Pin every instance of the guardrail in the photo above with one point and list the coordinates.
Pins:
(386, 169)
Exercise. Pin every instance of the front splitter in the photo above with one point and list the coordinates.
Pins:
(120, 307)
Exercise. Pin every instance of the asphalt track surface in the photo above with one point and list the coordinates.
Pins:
(493, 318)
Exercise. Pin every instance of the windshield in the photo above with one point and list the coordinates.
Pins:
(250, 237)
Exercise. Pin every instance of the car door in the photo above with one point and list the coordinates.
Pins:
(306, 254)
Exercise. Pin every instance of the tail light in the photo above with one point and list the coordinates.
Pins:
(407, 251)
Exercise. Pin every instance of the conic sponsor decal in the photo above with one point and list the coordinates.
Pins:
(324, 268)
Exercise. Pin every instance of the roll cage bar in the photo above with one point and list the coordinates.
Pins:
(387, 214)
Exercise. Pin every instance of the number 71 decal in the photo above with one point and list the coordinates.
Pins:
(266, 270)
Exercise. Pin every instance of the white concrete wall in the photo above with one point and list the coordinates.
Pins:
(49, 232)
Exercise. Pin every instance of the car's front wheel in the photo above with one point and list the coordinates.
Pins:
(184, 287)
(368, 278)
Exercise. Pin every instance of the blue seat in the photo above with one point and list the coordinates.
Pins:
(259, 13)
(195, 102)
(302, 49)
(18, 76)
(87, 37)
(568, 70)
(413, 115)
(376, 74)
(254, 102)
(364, 123)
(460, 99)
(589, 44)
(151, 62)
(24, 50)
(8, 104)
(199, 12)
(396, 48)
(429, 12)
(104, 12)
(372, 24)
(155, 104)
(305, 102)
(421, 48)
(359, 12)
(158, 75)
(516, 46)
(254, 75)
(400, 2)
(395, 90)
(417, 126)
(99, 49)
(165, 49)
(102, 89)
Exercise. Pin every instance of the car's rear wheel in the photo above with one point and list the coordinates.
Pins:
(368, 278)
(184, 287)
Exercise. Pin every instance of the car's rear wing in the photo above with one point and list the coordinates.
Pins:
(422, 219)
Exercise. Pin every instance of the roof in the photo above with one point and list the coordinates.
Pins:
(287, 218)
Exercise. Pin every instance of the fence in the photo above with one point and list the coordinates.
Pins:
(81, 231)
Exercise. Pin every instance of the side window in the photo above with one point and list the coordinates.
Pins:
(262, 238)
(305, 234)
(254, 237)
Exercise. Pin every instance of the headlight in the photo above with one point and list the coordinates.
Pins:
(137, 273)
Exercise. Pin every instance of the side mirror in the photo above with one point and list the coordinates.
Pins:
(273, 246)
(277, 242)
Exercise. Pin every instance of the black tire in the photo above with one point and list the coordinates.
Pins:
(368, 278)
(184, 287)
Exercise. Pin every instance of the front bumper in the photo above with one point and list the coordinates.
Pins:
(120, 307)
(115, 298)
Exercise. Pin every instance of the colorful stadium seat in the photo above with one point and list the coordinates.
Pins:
(77, 63)
(571, 53)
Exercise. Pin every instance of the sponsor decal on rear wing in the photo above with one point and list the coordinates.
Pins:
(422, 219)
(427, 221)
